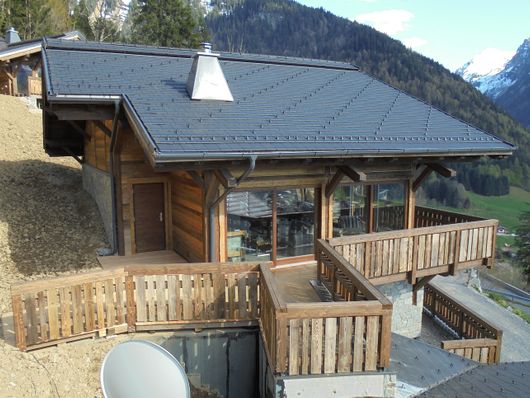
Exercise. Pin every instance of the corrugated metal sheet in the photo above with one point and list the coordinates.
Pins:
(282, 106)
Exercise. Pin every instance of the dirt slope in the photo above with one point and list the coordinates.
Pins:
(48, 225)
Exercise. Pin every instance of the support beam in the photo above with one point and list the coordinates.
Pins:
(421, 283)
(333, 183)
(442, 170)
(197, 178)
(353, 174)
(67, 150)
(103, 128)
(225, 178)
(83, 112)
(426, 172)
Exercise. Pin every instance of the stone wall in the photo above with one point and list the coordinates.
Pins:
(98, 184)
(406, 317)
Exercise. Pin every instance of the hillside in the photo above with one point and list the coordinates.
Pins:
(285, 27)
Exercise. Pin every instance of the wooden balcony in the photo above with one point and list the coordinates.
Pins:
(441, 243)
(299, 338)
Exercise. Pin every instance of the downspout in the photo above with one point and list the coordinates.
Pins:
(211, 209)
(113, 139)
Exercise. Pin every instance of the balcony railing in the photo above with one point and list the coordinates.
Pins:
(299, 338)
(481, 341)
(445, 242)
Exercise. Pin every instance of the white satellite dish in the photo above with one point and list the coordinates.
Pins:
(141, 369)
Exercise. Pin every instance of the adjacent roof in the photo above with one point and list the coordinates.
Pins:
(283, 107)
(26, 47)
(487, 381)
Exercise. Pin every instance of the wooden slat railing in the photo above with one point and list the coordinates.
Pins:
(134, 298)
(481, 340)
(312, 338)
(392, 217)
(391, 256)
(168, 296)
(428, 217)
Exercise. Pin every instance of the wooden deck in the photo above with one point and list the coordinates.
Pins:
(164, 257)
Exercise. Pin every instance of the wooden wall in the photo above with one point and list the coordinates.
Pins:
(187, 218)
(97, 147)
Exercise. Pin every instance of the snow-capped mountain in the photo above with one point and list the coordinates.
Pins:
(504, 79)
(488, 63)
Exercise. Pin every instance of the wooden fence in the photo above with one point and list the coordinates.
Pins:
(481, 340)
(391, 256)
(309, 338)
(427, 217)
(133, 298)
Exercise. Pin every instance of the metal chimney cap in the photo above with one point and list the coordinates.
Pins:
(206, 47)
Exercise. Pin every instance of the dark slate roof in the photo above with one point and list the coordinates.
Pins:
(283, 107)
(13, 50)
(510, 380)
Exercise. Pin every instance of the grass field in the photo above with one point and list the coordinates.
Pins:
(507, 209)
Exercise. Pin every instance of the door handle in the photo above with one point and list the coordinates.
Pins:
(161, 217)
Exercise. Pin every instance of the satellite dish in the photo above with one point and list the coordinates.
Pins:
(141, 369)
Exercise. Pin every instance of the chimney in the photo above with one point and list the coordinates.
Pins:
(12, 36)
(206, 80)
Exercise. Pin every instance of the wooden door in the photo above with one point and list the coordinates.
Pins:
(149, 217)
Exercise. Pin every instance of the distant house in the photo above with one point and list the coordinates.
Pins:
(20, 63)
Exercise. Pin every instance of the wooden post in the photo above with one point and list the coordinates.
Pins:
(385, 340)
(410, 205)
(454, 266)
(18, 322)
(370, 208)
(131, 306)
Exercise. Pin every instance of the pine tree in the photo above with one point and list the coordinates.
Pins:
(168, 23)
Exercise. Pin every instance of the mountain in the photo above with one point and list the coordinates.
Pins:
(483, 67)
(285, 27)
(508, 86)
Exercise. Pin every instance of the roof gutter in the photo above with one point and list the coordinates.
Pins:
(211, 208)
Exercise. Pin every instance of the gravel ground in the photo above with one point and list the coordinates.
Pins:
(48, 226)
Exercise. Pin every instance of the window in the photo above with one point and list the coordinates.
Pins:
(349, 210)
(389, 207)
(295, 222)
(255, 217)
(249, 236)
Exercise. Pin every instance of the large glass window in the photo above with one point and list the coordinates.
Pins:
(249, 236)
(251, 227)
(349, 210)
(296, 222)
(389, 207)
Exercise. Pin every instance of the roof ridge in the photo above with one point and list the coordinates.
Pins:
(141, 49)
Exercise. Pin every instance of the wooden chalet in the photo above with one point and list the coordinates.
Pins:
(15, 54)
(234, 158)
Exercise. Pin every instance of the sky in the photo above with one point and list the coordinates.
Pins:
(451, 32)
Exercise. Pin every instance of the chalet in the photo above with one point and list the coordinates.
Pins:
(238, 160)
(17, 55)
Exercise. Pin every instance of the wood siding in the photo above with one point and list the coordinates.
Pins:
(187, 223)
(97, 146)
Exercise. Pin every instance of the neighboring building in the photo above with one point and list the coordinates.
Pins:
(20, 63)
